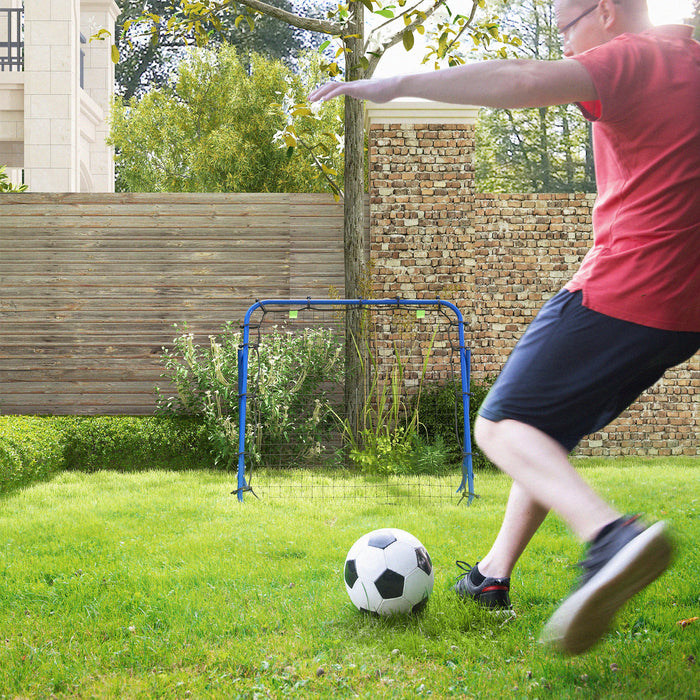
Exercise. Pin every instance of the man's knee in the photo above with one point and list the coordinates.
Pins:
(493, 436)
(484, 433)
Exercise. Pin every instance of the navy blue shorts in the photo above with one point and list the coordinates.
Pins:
(575, 370)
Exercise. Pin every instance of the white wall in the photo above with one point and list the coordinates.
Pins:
(49, 125)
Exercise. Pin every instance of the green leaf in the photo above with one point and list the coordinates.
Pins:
(115, 54)
(101, 35)
(408, 40)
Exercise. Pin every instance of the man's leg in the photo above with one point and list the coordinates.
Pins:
(623, 558)
(541, 468)
(488, 581)
(522, 518)
(543, 480)
(572, 372)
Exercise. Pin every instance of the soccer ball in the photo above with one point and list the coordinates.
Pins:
(388, 572)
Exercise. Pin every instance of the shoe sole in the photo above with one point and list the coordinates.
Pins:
(584, 617)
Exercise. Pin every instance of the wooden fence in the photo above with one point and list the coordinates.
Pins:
(91, 285)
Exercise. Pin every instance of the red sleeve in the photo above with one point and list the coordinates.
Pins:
(616, 69)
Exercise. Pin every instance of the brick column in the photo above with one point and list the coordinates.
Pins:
(421, 191)
(421, 188)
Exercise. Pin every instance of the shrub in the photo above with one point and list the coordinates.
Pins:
(288, 401)
(441, 416)
(31, 448)
(389, 440)
(129, 444)
(6, 185)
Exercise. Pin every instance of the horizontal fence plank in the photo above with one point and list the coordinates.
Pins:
(88, 352)
(117, 370)
(104, 199)
(74, 407)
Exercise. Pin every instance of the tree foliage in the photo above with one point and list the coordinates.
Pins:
(212, 129)
(357, 50)
(147, 58)
(694, 19)
(534, 150)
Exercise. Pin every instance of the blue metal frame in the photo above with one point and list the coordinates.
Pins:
(464, 362)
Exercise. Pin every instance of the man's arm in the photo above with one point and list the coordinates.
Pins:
(508, 84)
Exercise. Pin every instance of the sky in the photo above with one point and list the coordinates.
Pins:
(668, 11)
(397, 61)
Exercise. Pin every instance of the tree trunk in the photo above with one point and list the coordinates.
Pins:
(590, 161)
(568, 159)
(545, 166)
(355, 363)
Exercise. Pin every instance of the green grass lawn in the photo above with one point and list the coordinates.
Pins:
(161, 584)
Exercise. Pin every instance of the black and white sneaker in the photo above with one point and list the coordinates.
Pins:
(625, 557)
(489, 592)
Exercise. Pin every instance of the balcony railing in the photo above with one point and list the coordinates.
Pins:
(11, 39)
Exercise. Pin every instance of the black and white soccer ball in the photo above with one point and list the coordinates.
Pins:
(388, 572)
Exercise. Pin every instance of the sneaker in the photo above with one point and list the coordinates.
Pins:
(489, 592)
(624, 558)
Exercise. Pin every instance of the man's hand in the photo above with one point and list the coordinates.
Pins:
(375, 90)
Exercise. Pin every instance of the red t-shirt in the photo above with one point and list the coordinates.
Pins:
(644, 265)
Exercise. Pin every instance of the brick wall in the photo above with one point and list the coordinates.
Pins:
(498, 257)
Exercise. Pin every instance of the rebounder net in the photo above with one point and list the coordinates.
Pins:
(377, 409)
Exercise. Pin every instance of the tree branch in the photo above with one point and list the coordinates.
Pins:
(310, 24)
(467, 24)
(332, 184)
(398, 36)
(399, 16)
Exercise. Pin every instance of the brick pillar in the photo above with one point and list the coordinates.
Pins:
(421, 189)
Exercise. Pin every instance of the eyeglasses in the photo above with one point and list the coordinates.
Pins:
(566, 28)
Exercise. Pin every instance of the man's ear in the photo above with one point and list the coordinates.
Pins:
(609, 13)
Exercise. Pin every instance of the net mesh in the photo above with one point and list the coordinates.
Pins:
(276, 485)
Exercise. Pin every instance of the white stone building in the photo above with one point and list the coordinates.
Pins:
(55, 90)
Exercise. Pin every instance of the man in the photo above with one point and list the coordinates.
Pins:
(631, 311)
